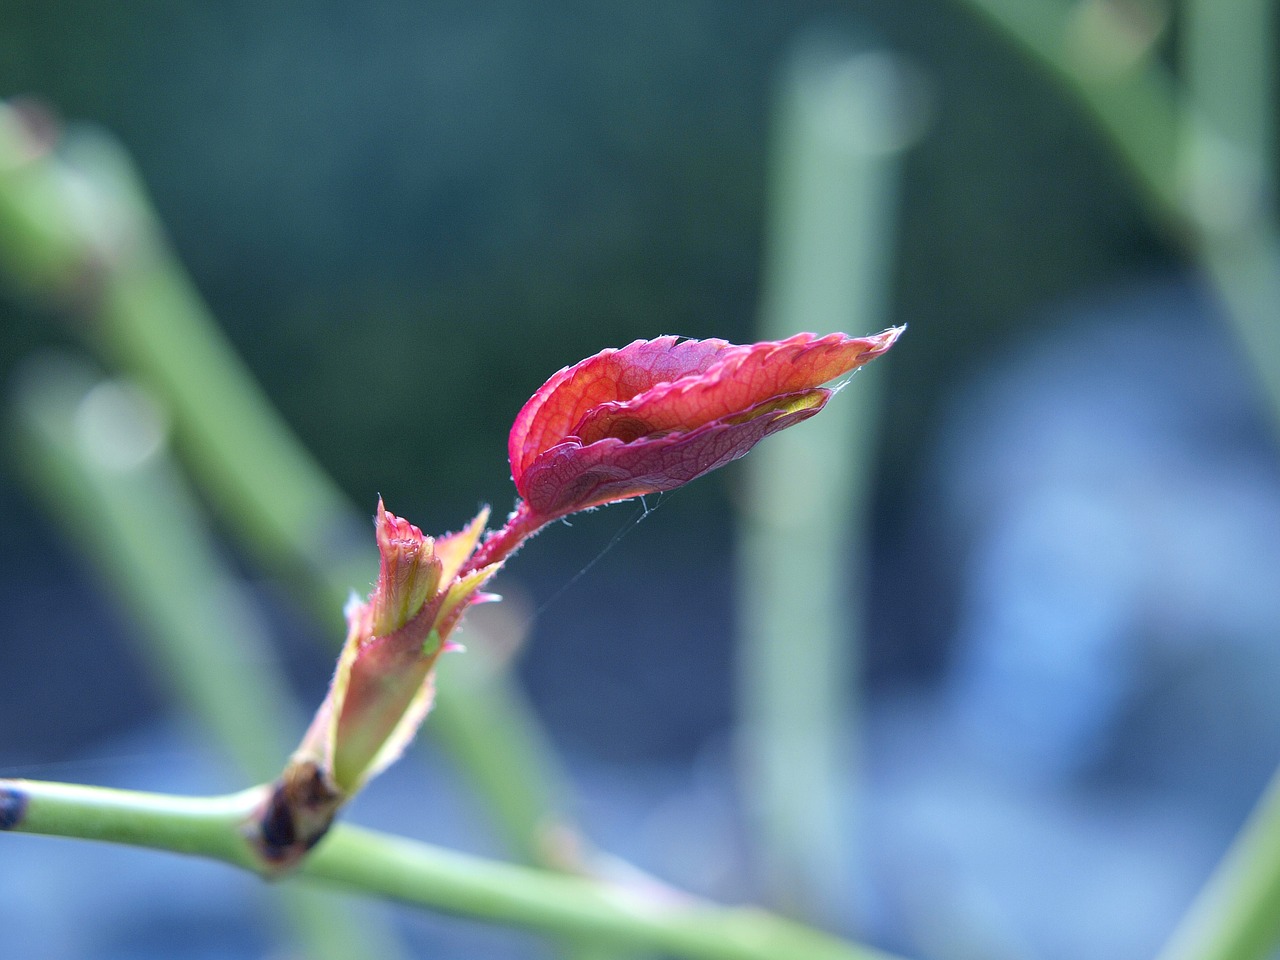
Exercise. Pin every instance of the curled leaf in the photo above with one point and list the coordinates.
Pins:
(657, 414)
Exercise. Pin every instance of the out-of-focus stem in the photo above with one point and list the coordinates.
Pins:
(1227, 70)
(572, 908)
(94, 452)
(1236, 916)
(1227, 161)
(839, 127)
(1228, 156)
(1138, 109)
(77, 228)
(1226, 170)
(1127, 95)
(129, 510)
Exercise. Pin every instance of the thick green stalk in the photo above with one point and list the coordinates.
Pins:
(76, 228)
(840, 124)
(549, 903)
(568, 907)
(200, 826)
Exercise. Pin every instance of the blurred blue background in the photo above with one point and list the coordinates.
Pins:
(407, 216)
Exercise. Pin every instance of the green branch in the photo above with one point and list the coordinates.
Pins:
(1130, 99)
(202, 826)
(416, 873)
(1108, 66)
(838, 129)
(1237, 914)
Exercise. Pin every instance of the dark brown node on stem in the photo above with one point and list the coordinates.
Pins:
(277, 828)
(13, 807)
(296, 816)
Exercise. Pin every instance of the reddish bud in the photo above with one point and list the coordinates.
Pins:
(383, 686)
(408, 574)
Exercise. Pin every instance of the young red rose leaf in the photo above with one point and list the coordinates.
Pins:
(611, 375)
(656, 414)
(571, 476)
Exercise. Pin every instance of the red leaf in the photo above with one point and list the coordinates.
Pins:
(658, 413)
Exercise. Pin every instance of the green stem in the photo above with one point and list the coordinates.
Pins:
(201, 826)
(1136, 106)
(549, 903)
(1227, 65)
(1131, 100)
(1237, 914)
(839, 128)
(570, 907)
(139, 524)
